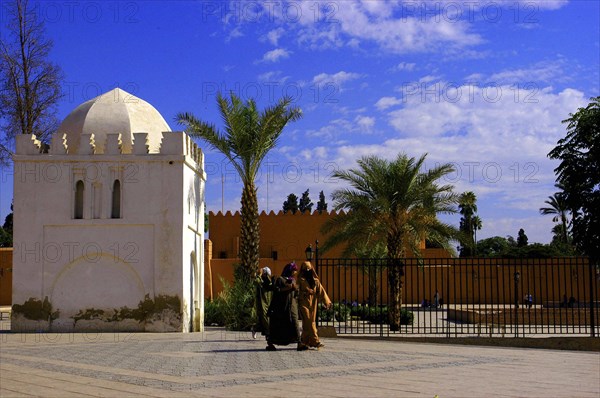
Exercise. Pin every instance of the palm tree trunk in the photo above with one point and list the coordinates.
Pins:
(250, 230)
(395, 279)
(373, 283)
(565, 235)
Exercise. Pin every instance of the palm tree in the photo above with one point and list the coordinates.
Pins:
(558, 208)
(467, 204)
(395, 203)
(245, 141)
(477, 225)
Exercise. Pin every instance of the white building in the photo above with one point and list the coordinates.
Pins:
(109, 223)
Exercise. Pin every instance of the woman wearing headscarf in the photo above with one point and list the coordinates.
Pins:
(264, 291)
(283, 311)
(310, 292)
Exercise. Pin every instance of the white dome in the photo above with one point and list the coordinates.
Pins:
(114, 112)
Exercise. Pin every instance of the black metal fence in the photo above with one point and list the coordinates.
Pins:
(457, 297)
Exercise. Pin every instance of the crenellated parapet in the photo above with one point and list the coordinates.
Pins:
(172, 143)
(280, 213)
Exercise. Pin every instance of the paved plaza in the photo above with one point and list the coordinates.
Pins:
(217, 363)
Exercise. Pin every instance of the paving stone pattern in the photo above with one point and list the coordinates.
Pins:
(219, 363)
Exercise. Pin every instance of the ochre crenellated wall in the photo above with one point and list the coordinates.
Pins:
(283, 238)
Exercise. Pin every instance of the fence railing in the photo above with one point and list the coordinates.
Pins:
(471, 296)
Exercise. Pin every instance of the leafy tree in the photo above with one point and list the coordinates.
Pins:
(579, 175)
(511, 241)
(492, 247)
(392, 202)
(305, 204)
(522, 238)
(321, 204)
(6, 231)
(30, 84)
(291, 204)
(5, 238)
(557, 207)
(248, 136)
(498, 246)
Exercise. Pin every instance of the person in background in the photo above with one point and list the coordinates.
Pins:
(436, 299)
(264, 292)
(310, 292)
(283, 311)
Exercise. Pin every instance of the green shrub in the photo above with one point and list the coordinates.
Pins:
(213, 314)
(236, 303)
(339, 311)
(377, 315)
(406, 317)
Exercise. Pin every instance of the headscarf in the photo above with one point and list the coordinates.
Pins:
(265, 270)
(288, 271)
(311, 276)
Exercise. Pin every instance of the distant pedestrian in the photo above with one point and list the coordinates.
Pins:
(283, 311)
(436, 299)
(528, 300)
(310, 292)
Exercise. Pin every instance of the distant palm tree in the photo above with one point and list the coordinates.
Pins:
(477, 225)
(393, 202)
(247, 138)
(467, 204)
(558, 208)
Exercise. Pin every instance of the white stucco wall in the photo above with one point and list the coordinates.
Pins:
(97, 271)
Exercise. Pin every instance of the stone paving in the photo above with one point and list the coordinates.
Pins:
(217, 363)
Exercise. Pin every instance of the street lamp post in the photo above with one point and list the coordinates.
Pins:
(309, 253)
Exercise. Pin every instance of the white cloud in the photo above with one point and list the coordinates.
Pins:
(336, 79)
(498, 148)
(540, 72)
(273, 76)
(275, 55)
(405, 66)
(274, 35)
(387, 102)
(392, 25)
(342, 127)
(524, 5)
(365, 123)
(234, 34)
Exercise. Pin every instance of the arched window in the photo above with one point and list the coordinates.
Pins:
(116, 200)
(79, 187)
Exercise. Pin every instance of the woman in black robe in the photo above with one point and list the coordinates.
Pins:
(283, 311)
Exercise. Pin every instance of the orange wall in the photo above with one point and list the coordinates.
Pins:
(459, 281)
(287, 234)
(6, 255)
(469, 281)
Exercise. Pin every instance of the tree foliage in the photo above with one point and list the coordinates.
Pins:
(522, 239)
(6, 231)
(247, 138)
(469, 222)
(392, 202)
(321, 204)
(557, 207)
(579, 175)
(30, 84)
(305, 204)
(498, 246)
(290, 204)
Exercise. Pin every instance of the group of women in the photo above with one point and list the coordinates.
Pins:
(283, 300)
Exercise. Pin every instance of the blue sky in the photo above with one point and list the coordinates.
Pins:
(481, 84)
